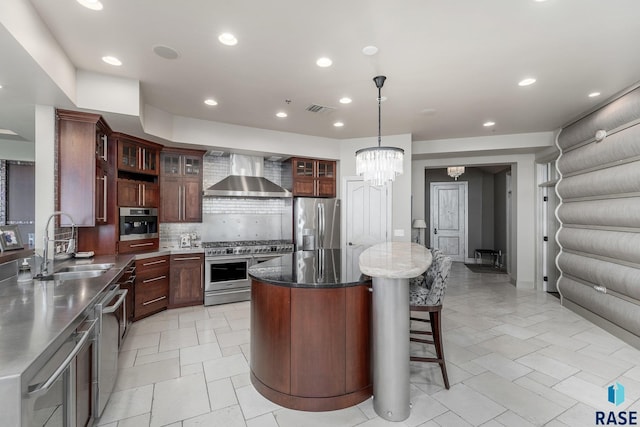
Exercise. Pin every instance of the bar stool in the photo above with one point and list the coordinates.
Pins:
(426, 293)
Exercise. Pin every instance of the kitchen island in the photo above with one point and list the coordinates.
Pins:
(310, 331)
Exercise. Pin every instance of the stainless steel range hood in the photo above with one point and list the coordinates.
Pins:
(246, 180)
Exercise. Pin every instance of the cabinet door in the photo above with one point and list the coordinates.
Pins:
(150, 196)
(171, 200)
(192, 166)
(128, 156)
(325, 188)
(304, 187)
(171, 164)
(128, 193)
(303, 168)
(186, 285)
(325, 169)
(149, 163)
(192, 200)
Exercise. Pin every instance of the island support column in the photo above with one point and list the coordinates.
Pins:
(391, 348)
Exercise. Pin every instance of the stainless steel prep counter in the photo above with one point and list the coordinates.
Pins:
(36, 316)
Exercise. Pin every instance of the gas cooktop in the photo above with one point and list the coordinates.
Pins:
(247, 247)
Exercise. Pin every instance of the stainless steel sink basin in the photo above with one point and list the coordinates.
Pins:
(73, 275)
(85, 267)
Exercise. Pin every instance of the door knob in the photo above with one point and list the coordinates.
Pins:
(350, 244)
(435, 231)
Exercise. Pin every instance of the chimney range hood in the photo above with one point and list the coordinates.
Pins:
(246, 180)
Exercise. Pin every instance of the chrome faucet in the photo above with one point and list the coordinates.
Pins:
(71, 244)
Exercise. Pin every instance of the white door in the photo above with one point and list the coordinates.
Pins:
(448, 218)
(367, 219)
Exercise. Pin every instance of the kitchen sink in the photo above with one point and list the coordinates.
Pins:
(73, 275)
(85, 267)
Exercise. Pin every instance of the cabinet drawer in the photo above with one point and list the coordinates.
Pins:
(144, 265)
(151, 295)
(141, 245)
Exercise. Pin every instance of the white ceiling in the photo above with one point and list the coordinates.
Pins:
(450, 65)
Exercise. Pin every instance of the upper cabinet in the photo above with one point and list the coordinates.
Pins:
(138, 166)
(137, 156)
(85, 168)
(181, 184)
(312, 177)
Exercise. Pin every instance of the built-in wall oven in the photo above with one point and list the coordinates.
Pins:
(226, 264)
(138, 223)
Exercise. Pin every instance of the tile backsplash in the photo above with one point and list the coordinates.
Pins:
(227, 218)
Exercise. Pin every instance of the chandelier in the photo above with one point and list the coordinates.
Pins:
(377, 165)
(455, 171)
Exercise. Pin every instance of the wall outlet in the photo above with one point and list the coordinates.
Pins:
(398, 232)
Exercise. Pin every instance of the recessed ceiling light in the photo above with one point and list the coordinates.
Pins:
(281, 114)
(526, 82)
(165, 52)
(211, 102)
(488, 124)
(91, 4)
(428, 111)
(112, 60)
(228, 39)
(324, 62)
(0, 86)
(338, 124)
(369, 50)
(345, 100)
(591, 95)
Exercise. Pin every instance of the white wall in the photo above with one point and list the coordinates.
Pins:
(401, 212)
(499, 144)
(45, 169)
(524, 217)
(108, 93)
(17, 150)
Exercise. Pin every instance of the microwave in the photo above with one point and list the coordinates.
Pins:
(138, 223)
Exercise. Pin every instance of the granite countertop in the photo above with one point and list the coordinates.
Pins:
(321, 268)
(395, 260)
(34, 315)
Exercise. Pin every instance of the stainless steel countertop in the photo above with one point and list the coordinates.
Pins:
(33, 315)
(169, 250)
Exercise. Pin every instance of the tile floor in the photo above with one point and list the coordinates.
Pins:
(515, 358)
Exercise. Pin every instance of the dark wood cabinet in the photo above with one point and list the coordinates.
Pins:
(187, 282)
(312, 177)
(137, 156)
(138, 194)
(151, 286)
(181, 184)
(310, 347)
(84, 169)
(141, 245)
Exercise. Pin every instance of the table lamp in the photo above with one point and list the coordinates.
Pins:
(419, 224)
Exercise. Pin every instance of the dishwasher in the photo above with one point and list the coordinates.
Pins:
(112, 323)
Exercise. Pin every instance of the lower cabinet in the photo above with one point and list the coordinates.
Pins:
(84, 382)
(151, 286)
(187, 282)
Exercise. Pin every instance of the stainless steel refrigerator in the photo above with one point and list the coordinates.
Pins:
(316, 223)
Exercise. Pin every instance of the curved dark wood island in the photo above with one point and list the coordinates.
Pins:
(310, 332)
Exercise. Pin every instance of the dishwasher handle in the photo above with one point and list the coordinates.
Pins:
(117, 304)
(44, 388)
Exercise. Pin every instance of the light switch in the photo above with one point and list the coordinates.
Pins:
(398, 232)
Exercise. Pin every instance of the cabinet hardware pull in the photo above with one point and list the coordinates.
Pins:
(191, 258)
(154, 279)
(141, 244)
(201, 281)
(131, 269)
(104, 196)
(154, 300)
(162, 261)
(179, 203)
(184, 203)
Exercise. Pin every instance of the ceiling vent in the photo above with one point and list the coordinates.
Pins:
(215, 153)
(321, 109)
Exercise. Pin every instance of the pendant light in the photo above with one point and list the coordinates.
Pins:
(377, 165)
(455, 171)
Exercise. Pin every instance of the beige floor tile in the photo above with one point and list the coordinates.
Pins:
(548, 366)
(502, 366)
(225, 417)
(344, 417)
(127, 403)
(229, 339)
(149, 373)
(253, 403)
(221, 394)
(156, 357)
(225, 367)
(134, 342)
(138, 421)
(178, 338)
(266, 420)
(199, 353)
(450, 419)
(470, 405)
(179, 399)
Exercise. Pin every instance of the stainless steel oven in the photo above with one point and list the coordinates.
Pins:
(138, 223)
(226, 272)
(226, 280)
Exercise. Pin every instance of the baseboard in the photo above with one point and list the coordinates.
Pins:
(613, 329)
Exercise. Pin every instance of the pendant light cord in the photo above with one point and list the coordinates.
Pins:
(379, 114)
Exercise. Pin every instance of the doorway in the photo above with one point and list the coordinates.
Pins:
(367, 218)
(448, 218)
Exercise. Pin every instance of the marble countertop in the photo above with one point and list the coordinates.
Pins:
(395, 260)
(322, 268)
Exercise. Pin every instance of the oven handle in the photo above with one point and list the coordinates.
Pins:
(114, 307)
(44, 388)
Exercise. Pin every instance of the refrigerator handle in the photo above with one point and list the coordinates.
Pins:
(320, 226)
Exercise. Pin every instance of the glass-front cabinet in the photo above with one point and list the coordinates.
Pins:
(313, 177)
(137, 156)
